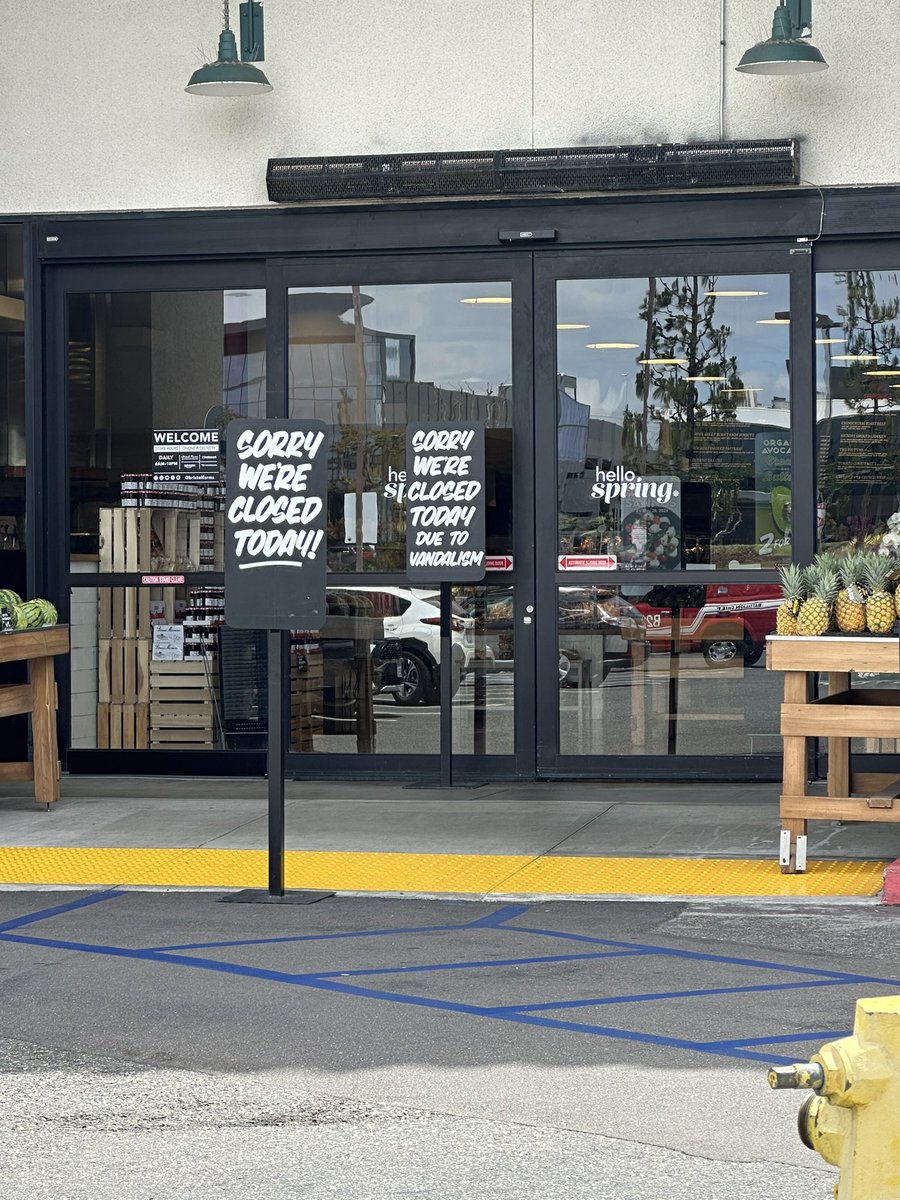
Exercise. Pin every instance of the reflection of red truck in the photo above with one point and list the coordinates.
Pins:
(726, 622)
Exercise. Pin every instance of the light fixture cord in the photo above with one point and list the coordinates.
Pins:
(225, 13)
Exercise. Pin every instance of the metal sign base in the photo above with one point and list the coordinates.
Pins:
(261, 896)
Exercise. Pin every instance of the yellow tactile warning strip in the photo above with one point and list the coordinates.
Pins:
(456, 874)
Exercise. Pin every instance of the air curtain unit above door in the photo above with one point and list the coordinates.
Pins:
(575, 169)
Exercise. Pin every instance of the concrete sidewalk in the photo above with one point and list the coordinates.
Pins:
(534, 839)
(709, 820)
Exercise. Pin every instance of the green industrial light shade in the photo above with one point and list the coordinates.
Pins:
(228, 76)
(783, 53)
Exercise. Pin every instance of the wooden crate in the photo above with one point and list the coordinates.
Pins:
(182, 707)
(123, 690)
(123, 613)
(123, 726)
(125, 539)
(149, 539)
(307, 681)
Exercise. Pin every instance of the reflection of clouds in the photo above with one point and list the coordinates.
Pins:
(611, 306)
(451, 338)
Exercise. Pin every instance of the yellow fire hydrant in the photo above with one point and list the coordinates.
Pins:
(853, 1121)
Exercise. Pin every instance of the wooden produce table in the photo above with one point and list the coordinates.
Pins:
(841, 715)
(38, 697)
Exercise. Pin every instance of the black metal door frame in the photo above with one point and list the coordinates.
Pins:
(60, 282)
(551, 267)
(442, 268)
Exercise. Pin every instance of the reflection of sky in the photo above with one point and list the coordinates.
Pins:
(457, 345)
(606, 378)
(831, 295)
(244, 306)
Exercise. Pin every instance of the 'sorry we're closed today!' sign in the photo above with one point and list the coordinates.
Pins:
(276, 476)
(445, 502)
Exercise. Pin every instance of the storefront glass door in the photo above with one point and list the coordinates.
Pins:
(669, 400)
(648, 426)
(371, 348)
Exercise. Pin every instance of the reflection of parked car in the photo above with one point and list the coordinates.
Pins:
(727, 622)
(406, 662)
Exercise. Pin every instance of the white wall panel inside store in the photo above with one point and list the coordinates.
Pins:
(94, 117)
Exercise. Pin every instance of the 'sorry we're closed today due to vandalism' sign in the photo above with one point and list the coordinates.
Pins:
(445, 502)
(276, 476)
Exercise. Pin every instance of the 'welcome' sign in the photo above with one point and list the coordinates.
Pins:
(445, 502)
(276, 476)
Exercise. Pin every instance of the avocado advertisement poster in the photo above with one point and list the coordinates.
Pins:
(773, 493)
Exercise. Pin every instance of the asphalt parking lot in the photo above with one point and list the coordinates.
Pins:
(167, 1045)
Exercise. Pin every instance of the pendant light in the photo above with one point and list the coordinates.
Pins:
(230, 75)
(786, 52)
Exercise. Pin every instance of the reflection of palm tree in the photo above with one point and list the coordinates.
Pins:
(681, 326)
(870, 329)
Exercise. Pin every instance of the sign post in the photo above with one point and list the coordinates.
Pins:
(445, 532)
(276, 476)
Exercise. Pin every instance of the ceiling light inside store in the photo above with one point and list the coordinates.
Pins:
(230, 75)
(741, 391)
(566, 325)
(787, 51)
(830, 341)
(663, 362)
(706, 378)
(734, 293)
(854, 358)
(882, 374)
(612, 346)
(487, 300)
(774, 321)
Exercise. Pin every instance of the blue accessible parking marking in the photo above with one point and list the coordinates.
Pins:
(536, 1014)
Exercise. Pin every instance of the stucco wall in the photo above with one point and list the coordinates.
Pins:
(93, 115)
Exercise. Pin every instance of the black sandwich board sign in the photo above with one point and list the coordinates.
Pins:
(445, 502)
(276, 478)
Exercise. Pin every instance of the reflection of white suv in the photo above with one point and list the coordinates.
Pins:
(407, 662)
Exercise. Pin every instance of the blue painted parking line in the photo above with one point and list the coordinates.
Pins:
(58, 909)
(492, 921)
(773, 1040)
(690, 993)
(705, 956)
(527, 1014)
(486, 962)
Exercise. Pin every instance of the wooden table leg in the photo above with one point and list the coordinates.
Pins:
(794, 777)
(838, 747)
(43, 731)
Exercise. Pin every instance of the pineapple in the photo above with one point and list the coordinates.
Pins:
(794, 588)
(880, 614)
(850, 604)
(815, 613)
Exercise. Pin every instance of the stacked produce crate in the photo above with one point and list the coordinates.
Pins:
(307, 682)
(123, 693)
(183, 705)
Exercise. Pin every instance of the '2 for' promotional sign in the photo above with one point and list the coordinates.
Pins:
(445, 502)
(276, 475)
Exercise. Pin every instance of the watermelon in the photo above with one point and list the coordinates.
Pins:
(16, 616)
(48, 611)
(8, 598)
(32, 613)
